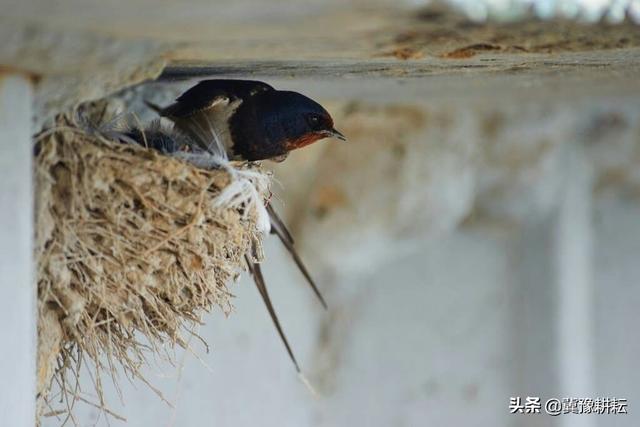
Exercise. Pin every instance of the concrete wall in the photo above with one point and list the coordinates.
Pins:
(477, 238)
(18, 304)
(469, 252)
(443, 336)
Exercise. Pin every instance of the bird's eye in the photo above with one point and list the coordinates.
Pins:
(314, 120)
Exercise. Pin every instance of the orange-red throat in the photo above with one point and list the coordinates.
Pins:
(311, 137)
(304, 140)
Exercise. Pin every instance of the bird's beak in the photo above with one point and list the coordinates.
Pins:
(335, 134)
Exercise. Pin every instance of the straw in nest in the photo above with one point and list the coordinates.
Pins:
(130, 244)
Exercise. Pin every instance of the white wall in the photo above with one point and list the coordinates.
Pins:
(17, 306)
(444, 336)
(437, 321)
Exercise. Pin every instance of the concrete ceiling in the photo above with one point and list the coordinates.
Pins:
(82, 50)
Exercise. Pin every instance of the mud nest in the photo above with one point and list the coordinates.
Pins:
(132, 248)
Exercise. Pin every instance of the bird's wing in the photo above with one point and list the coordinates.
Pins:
(209, 126)
(206, 93)
(203, 111)
(279, 228)
(256, 272)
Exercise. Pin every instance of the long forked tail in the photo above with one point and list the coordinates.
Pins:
(256, 272)
(278, 227)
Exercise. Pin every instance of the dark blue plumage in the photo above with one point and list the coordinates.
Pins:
(273, 123)
(249, 120)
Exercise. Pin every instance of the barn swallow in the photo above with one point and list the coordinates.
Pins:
(248, 121)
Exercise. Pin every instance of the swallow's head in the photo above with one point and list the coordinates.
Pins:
(283, 121)
(303, 121)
